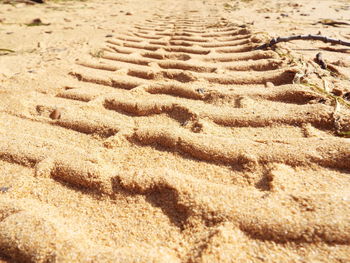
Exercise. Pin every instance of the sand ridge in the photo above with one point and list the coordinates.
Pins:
(162, 135)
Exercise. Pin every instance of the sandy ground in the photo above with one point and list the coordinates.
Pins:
(153, 131)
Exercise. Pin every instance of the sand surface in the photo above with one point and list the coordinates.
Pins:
(153, 131)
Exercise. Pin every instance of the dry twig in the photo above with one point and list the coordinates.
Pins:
(28, 2)
(303, 37)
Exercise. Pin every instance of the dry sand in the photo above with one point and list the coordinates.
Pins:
(153, 131)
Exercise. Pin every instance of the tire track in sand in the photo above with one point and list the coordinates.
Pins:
(185, 87)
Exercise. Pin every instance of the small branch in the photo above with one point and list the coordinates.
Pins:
(28, 2)
(303, 37)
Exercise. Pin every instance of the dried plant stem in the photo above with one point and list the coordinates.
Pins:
(304, 37)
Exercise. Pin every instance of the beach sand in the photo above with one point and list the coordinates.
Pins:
(154, 131)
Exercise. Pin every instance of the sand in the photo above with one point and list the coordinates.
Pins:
(154, 131)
